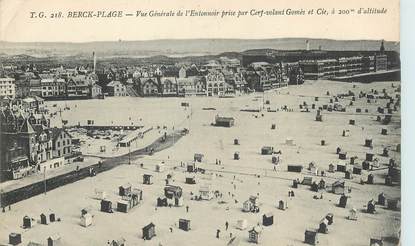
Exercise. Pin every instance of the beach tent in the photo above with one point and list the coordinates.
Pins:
(106, 206)
(28, 222)
(255, 234)
(282, 205)
(147, 179)
(330, 218)
(44, 220)
(162, 202)
(323, 226)
(343, 201)
(123, 206)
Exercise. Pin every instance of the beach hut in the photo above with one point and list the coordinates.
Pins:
(236, 155)
(149, 231)
(247, 206)
(254, 200)
(368, 142)
(352, 214)
(52, 217)
(342, 155)
(282, 205)
(255, 234)
(160, 167)
(236, 141)
(338, 187)
(123, 206)
(370, 179)
(348, 174)
(371, 208)
(346, 133)
(343, 201)
(330, 218)
(268, 219)
(381, 199)
(86, 220)
(184, 224)
(198, 157)
(369, 156)
(54, 240)
(295, 183)
(28, 222)
(190, 180)
(352, 122)
(161, 202)
(366, 165)
(314, 187)
(385, 152)
(323, 226)
(388, 180)
(205, 192)
(106, 206)
(310, 237)
(376, 242)
(242, 224)
(331, 168)
(118, 242)
(172, 191)
(357, 169)
(44, 220)
(100, 194)
(384, 131)
(267, 150)
(307, 181)
(147, 179)
(15, 238)
(322, 184)
(273, 126)
(341, 167)
(224, 121)
(124, 190)
(191, 167)
(295, 168)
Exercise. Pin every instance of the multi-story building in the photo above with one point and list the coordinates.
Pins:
(149, 86)
(216, 84)
(116, 88)
(169, 86)
(52, 87)
(61, 143)
(191, 86)
(7, 87)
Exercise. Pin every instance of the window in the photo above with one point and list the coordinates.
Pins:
(59, 144)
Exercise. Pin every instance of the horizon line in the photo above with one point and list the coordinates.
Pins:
(189, 39)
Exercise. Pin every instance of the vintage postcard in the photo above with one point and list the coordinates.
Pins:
(200, 122)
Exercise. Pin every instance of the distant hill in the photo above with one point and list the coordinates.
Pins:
(183, 47)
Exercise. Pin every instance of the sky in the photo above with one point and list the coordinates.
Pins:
(17, 26)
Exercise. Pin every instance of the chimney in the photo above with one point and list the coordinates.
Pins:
(95, 60)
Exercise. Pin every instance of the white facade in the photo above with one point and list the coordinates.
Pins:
(7, 87)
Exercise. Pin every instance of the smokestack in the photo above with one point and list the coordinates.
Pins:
(307, 43)
(95, 60)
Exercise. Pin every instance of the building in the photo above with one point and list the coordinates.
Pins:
(96, 91)
(224, 121)
(168, 86)
(61, 143)
(51, 87)
(191, 86)
(7, 88)
(216, 84)
(149, 87)
(116, 88)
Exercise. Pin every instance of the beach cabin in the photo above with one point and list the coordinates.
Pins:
(161, 202)
(267, 219)
(236, 141)
(172, 191)
(149, 231)
(242, 224)
(342, 155)
(236, 155)
(28, 222)
(86, 220)
(368, 142)
(254, 200)
(44, 220)
(54, 240)
(106, 206)
(330, 218)
(52, 217)
(267, 150)
(357, 169)
(365, 165)
(282, 205)
(124, 190)
(314, 187)
(370, 179)
(184, 224)
(384, 131)
(323, 226)
(307, 181)
(341, 167)
(310, 237)
(371, 207)
(198, 157)
(224, 121)
(369, 156)
(205, 192)
(190, 180)
(191, 167)
(295, 183)
(255, 235)
(388, 180)
(118, 242)
(343, 201)
(338, 187)
(348, 174)
(15, 238)
(322, 184)
(381, 199)
(393, 204)
(147, 179)
(295, 168)
(123, 206)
